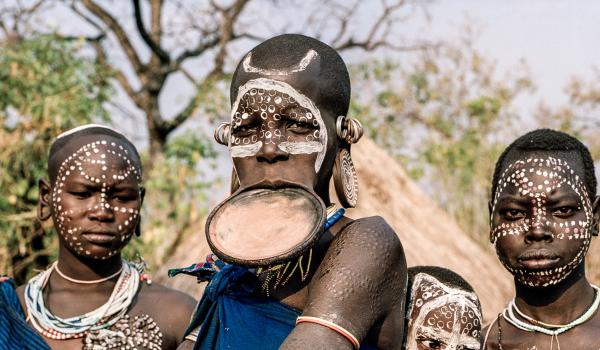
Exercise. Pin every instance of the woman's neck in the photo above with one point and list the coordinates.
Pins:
(86, 269)
(558, 304)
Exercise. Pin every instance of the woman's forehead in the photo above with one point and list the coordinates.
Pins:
(100, 161)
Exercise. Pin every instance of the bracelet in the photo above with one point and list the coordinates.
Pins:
(193, 336)
(334, 327)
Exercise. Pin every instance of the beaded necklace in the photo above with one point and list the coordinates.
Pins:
(103, 317)
(276, 273)
(534, 325)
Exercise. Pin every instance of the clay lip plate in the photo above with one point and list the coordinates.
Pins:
(261, 227)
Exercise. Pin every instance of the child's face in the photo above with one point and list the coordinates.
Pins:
(442, 317)
(96, 198)
(541, 219)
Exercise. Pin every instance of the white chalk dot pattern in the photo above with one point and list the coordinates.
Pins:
(96, 153)
(436, 309)
(270, 99)
(556, 173)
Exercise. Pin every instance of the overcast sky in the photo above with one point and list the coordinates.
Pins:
(558, 38)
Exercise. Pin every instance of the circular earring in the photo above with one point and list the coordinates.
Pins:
(222, 134)
(345, 179)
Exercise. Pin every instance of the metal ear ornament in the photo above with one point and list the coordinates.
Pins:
(223, 133)
(345, 179)
(348, 129)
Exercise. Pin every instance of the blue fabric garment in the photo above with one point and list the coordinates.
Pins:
(231, 317)
(15, 334)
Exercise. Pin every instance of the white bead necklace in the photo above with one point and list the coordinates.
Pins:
(71, 279)
(510, 317)
(103, 317)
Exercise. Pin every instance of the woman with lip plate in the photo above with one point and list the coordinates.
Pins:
(336, 284)
(544, 212)
(91, 298)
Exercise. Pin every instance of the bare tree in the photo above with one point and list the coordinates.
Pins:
(217, 25)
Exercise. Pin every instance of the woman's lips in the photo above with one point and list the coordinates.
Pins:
(99, 237)
(538, 259)
(539, 264)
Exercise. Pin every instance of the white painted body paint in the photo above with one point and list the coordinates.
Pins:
(302, 100)
(446, 314)
(556, 173)
(245, 150)
(306, 147)
(94, 154)
(298, 67)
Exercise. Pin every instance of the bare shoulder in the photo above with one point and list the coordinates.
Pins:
(20, 290)
(361, 282)
(489, 336)
(170, 309)
(375, 238)
(158, 294)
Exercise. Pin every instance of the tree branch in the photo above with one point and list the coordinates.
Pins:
(370, 43)
(230, 16)
(198, 50)
(153, 45)
(119, 75)
(119, 32)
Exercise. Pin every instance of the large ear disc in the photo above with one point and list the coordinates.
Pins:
(345, 179)
(223, 133)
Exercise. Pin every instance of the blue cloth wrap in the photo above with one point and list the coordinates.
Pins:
(232, 317)
(15, 334)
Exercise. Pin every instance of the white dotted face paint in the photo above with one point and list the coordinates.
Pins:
(272, 112)
(530, 196)
(96, 200)
(310, 56)
(439, 314)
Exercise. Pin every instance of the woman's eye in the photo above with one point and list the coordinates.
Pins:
(512, 214)
(81, 194)
(431, 343)
(243, 129)
(563, 211)
(299, 126)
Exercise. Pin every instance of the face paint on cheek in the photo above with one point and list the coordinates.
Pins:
(523, 177)
(441, 313)
(270, 99)
(93, 164)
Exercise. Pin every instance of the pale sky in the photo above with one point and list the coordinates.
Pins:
(558, 38)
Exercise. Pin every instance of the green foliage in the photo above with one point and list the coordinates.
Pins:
(176, 195)
(445, 116)
(45, 88)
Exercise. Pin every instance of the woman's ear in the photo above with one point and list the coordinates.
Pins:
(44, 210)
(595, 216)
(490, 216)
(138, 226)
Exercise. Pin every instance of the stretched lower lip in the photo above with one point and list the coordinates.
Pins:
(539, 264)
(99, 237)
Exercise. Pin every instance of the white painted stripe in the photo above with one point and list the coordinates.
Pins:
(245, 150)
(301, 147)
(298, 67)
